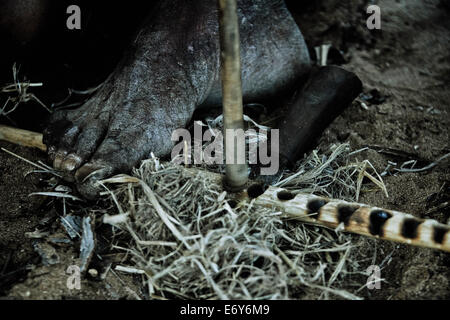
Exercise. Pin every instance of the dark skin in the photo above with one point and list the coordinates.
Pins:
(173, 67)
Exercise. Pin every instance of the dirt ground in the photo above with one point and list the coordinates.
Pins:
(404, 115)
(407, 62)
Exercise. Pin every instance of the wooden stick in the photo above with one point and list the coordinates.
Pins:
(233, 116)
(22, 137)
(331, 213)
(358, 218)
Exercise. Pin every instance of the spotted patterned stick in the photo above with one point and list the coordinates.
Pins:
(358, 218)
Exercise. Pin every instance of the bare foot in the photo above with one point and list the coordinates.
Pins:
(172, 68)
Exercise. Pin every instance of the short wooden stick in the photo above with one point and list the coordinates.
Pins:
(22, 137)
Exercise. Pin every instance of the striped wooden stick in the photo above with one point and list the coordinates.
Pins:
(358, 218)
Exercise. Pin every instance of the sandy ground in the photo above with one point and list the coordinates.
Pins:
(407, 63)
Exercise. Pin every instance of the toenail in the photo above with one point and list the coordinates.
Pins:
(59, 157)
(87, 171)
(71, 162)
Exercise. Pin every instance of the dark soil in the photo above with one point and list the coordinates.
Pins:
(405, 67)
